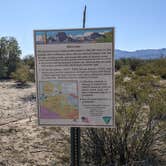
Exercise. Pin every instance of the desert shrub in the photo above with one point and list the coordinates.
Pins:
(135, 63)
(3, 71)
(159, 67)
(154, 67)
(22, 74)
(125, 71)
(139, 103)
(118, 64)
(143, 70)
(32, 75)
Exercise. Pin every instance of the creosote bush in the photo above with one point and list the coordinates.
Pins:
(22, 74)
(140, 127)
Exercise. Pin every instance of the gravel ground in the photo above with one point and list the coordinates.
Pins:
(22, 141)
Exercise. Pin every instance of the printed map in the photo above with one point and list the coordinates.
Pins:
(58, 99)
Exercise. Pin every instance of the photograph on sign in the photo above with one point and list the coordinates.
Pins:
(75, 77)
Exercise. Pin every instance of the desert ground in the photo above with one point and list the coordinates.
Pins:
(22, 141)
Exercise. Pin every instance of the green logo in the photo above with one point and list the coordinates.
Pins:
(106, 119)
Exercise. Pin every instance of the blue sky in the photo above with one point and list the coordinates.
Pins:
(139, 24)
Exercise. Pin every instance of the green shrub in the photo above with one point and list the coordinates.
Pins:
(142, 71)
(3, 71)
(139, 106)
(22, 74)
(125, 71)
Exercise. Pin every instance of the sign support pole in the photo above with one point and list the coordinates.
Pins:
(75, 131)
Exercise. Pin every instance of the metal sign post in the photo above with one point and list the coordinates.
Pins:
(75, 146)
(75, 131)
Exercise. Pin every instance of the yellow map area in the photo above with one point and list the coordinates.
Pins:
(48, 88)
(58, 102)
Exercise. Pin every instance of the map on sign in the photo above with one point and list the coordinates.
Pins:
(58, 99)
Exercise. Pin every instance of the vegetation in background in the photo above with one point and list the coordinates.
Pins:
(9, 56)
(140, 133)
(22, 74)
(29, 60)
(141, 67)
(11, 65)
(139, 136)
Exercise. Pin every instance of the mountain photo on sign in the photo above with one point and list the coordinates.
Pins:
(79, 36)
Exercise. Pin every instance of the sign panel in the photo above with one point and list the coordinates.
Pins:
(75, 77)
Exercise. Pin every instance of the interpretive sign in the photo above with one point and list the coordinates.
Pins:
(75, 77)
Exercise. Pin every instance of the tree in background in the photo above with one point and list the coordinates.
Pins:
(29, 60)
(3, 57)
(14, 53)
(9, 56)
(3, 70)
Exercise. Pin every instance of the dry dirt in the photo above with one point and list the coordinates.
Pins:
(22, 141)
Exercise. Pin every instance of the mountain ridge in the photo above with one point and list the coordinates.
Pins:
(141, 54)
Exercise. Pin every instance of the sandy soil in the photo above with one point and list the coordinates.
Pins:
(22, 141)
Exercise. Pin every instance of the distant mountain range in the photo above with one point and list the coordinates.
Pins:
(141, 54)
